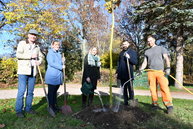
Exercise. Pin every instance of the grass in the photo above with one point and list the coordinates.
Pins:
(42, 120)
(172, 88)
(182, 118)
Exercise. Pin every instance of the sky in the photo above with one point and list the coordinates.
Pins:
(5, 48)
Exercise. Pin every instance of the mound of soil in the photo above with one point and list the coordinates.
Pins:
(126, 118)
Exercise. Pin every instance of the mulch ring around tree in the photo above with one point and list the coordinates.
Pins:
(126, 118)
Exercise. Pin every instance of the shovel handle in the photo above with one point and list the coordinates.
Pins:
(42, 83)
(64, 81)
(128, 66)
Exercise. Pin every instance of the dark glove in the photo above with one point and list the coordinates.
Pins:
(167, 71)
(138, 72)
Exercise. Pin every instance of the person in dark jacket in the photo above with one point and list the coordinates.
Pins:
(91, 74)
(54, 74)
(127, 57)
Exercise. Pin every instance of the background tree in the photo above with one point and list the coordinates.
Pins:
(169, 17)
(89, 21)
(2, 8)
(188, 63)
(48, 17)
(128, 29)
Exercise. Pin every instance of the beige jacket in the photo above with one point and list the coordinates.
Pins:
(23, 54)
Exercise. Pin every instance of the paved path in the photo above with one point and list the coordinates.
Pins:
(74, 89)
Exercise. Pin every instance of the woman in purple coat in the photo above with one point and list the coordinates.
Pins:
(54, 74)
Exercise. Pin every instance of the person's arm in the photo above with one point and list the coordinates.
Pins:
(133, 58)
(87, 69)
(144, 64)
(40, 57)
(117, 64)
(167, 60)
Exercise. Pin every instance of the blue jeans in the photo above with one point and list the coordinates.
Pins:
(25, 82)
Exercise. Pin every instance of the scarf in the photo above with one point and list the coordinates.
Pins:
(94, 60)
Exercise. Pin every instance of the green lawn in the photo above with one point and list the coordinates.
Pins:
(182, 118)
(172, 88)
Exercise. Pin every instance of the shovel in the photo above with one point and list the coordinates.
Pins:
(66, 109)
(50, 110)
(133, 102)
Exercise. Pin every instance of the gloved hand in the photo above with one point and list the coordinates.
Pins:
(127, 55)
(167, 71)
(138, 72)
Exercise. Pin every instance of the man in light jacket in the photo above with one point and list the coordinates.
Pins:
(29, 56)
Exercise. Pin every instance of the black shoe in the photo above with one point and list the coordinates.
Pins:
(83, 106)
(57, 109)
(126, 103)
(31, 112)
(20, 115)
(170, 110)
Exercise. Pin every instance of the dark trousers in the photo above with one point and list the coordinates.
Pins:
(87, 100)
(127, 87)
(52, 95)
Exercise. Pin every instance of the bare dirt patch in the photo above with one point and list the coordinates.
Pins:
(126, 118)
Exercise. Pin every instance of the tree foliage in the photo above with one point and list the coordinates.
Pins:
(45, 16)
(49, 18)
(171, 20)
(164, 18)
(87, 18)
(2, 17)
(128, 29)
(105, 59)
(111, 4)
(72, 53)
(8, 69)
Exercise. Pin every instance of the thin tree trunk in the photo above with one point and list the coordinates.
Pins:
(84, 41)
(111, 57)
(179, 62)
